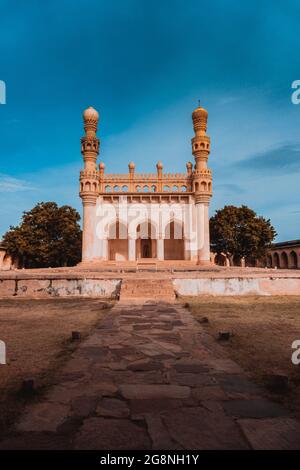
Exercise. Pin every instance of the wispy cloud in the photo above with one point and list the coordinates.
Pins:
(281, 159)
(12, 185)
(229, 99)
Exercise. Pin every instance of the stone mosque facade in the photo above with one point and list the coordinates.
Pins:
(157, 216)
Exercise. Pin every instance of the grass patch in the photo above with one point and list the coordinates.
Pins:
(263, 330)
(37, 336)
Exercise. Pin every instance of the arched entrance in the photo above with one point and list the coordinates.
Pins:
(146, 241)
(293, 260)
(117, 242)
(269, 261)
(284, 260)
(220, 260)
(276, 260)
(146, 248)
(173, 241)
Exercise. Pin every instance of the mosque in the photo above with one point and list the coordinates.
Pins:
(134, 217)
(154, 218)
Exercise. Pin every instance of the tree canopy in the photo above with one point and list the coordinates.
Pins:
(238, 232)
(48, 236)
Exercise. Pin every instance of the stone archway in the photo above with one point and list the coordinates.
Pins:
(220, 259)
(284, 263)
(146, 245)
(293, 260)
(118, 242)
(276, 260)
(174, 241)
(146, 248)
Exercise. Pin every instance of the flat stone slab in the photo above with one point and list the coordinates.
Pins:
(209, 392)
(141, 391)
(191, 367)
(160, 437)
(145, 365)
(201, 429)
(255, 408)
(237, 385)
(192, 380)
(224, 365)
(272, 433)
(111, 434)
(84, 405)
(141, 407)
(112, 407)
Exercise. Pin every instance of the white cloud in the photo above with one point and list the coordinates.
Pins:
(12, 185)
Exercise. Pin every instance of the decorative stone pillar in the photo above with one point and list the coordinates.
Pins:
(203, 242)
(131, 249)
(104, 249)
(202, 184)
(187, 253)
(88, 229)
(160, 248)
(89, 182)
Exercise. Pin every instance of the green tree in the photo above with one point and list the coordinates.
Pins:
(48, 236)
(238, 232)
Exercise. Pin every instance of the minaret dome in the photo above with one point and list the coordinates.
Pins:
(90, 114)
(199, 117)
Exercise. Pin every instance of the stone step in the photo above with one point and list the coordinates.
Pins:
(147, 289)
(133, 284)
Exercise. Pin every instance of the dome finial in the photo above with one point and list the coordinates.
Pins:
(199, 116)
(90, 114)
(90, 119)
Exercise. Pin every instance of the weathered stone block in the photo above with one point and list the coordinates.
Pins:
(7, 287)
(33, 288)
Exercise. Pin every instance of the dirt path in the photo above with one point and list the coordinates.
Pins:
(149, 377)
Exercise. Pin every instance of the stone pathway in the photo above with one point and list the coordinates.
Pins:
(149, 377)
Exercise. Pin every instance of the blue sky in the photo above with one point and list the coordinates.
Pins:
(143, 66)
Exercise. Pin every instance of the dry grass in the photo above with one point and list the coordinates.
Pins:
(263, 330)
(37, 336)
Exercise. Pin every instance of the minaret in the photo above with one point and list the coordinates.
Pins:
(202, 183)
(89, 181)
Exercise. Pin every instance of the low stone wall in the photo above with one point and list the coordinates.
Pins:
(238, 286)
(108, 288)
(51, 285)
